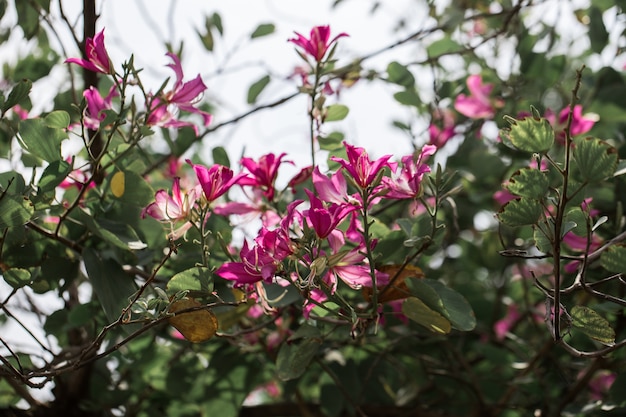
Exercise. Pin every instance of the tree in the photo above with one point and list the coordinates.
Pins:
(479, 275)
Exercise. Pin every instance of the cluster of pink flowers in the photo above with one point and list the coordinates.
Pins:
(161, 110)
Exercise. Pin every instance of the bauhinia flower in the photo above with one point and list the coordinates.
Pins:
(97, 58)
(183, 96)
(441, 128)
(580, 123)
(174, 208)
(359, 166)
(264, 173)
(479, 104)
(407, 183)
(318, 43)
(325, 218)
(215, 181)
(96, 105)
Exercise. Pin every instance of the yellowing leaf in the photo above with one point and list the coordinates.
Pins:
(118, 184)
(196, 326)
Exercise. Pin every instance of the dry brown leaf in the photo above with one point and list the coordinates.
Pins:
(196, 326)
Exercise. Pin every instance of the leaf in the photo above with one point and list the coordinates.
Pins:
(118, 234)
(118, 184)
(532, 134)
(598, 36)
(196, 326)
(220, 156)
(442, 47)
(131, 188)
(41, 140)
(17, 94)
(53, 175)
(14, 211)
(416, 310)
(596, 159)
(256, 89)
(457, 309)
(613, 259)
(592, 324)
(408, 97)
(111, 284)
(58, 119)
(17, 277)
(523, 211)
(332, 141)
(197, 280)
(579, 220)
(336, 112)
(400, 74)
(529, 182)
(294, 358)
(263, 29)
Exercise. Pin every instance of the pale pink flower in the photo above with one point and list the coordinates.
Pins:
(479, 104)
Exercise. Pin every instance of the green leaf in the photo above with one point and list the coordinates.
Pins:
(579, 219)
(530, 183)
(53, 175)
(456, 307)
(58, 119)
(332, 141)
(17, 277)
(598, 36)
(135, 191)
(17, 94)
(111, 284)
(416, 310)
(542, 241)
(592, 324)
(336, 112)
(14, 211)
(263, 29)
(442, 47)
(399, 74)
(596, 159)
(520, 212)
(121, 235)
(197, 280)
(220, 156)
(27, 18)
(256, 89)
(408, 97)
(294, 357)
(613, 259)
(532, 134)
(41, 140)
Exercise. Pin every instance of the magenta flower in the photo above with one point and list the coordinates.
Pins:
(215, 181)
(96, 105)
(184, 96)
(254, 209)
(359, 166)
(324, 219)
(333, 189)
(318, 42)
(479, 104)
(441, 132)
(97, 56)
(174, 208)
(580, 123)
(407, 184)
(264, 173)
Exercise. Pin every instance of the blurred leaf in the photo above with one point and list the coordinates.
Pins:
(119, 234)
(331, 142)
(530, 183)
(613, 259)
(336, 112)
(256, 89)
(196, 326)
(197, 280)
(131, 188)
(532, 134)
(416, 310)
(58, 119)
(216, 21)
(457, 309)
(408, 97)
(592, 324)
(596, 159)
(598, 36)
(41, 140)
(442, 47)
(27, 18)
(118, 184)
(400, 74)
(220, 156)
(17, 277)
(53, 175)
(521, 212)
(14, 211)
(294, 357)
(17, 94)
(263, 29)
(111, 284)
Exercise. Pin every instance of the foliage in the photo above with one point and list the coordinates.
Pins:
(482, 274)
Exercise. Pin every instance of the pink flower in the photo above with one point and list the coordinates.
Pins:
(97, 56)
(324, 219)
(600, 384)
(503, 196)
(505, 324)
(407, 184)
(317, 44)
(256, 208)
(96, 105)
(479, 104)
(333, 189)
(215, 181)
(580, 124)
(184, 96)
(174, 208)
(359, 166)
(439, 136)
(264, 173)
